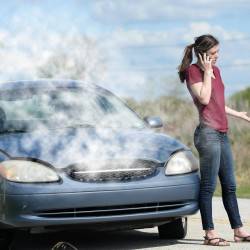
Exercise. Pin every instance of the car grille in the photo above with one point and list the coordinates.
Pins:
(112, 170)
(111, 210)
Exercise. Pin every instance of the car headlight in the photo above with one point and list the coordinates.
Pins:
(180, 163)
(27, 171)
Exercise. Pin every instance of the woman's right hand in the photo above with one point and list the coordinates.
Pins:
(206, 63)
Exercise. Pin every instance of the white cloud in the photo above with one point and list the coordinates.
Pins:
(239, 64)
(199, 28)
(3, 36)
(30, 48)
(127, 10)
(135, 37)
(126, 83)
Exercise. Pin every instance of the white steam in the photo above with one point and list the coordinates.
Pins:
(67, 127)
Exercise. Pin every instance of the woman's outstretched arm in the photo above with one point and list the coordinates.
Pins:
(243, 115)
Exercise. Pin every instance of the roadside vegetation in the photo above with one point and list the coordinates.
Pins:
(180, 119)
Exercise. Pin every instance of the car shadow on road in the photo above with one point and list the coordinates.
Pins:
(112, 240)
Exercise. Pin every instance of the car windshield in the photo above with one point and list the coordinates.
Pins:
(30, 109)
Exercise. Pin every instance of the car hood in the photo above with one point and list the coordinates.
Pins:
(64, 147)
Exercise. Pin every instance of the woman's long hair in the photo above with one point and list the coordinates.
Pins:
(201, 45)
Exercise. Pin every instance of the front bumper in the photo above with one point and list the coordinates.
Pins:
(133, 204)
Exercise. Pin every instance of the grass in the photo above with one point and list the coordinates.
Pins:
(242, 191)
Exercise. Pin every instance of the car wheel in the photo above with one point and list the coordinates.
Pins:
(176, 229)
(6, 238)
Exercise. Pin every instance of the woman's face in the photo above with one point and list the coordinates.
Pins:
(213, 54)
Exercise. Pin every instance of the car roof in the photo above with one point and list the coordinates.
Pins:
(47, 84)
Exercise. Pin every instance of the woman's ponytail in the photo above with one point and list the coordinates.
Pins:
(186, 61)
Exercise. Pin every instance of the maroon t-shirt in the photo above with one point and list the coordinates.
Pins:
(213, 114)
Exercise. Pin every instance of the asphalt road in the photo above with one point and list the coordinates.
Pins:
(140, 239)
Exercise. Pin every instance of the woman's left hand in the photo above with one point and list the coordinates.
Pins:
(244, 116)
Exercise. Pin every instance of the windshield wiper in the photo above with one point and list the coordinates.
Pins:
(9, 131)
(76, 126)
(80, 126)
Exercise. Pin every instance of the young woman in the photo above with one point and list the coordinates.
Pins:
(206, 87)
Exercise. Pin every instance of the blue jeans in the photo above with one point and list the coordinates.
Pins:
(216, 160)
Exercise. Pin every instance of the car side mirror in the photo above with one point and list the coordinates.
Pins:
(153, 121)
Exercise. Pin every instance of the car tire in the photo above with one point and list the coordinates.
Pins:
(6, 238)
(176, 229)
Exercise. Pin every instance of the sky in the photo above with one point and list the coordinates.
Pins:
(137, 45)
